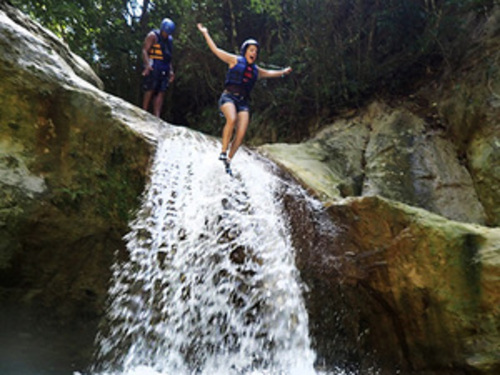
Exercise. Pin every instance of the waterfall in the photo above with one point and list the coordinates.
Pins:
(209, 284)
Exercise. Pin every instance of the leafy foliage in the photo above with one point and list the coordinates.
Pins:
(342, 51)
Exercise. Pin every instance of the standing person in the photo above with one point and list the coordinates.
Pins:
(233, 103)
(158, 71)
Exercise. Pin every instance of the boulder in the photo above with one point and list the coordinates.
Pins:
(468, 101)
(393, 286)
(408, 164)
(483, 153)
(389, 152)
(73, 164)
(18, 30)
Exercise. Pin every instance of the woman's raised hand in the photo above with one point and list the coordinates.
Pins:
(202, 28)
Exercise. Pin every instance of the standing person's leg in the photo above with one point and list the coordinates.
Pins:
(241, 129)
(228, 109)
(148, 95)
(161, 86)
(148, 88)
(158, 103)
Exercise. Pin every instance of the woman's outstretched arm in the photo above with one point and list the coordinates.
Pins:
(267, 73)
(227, 57)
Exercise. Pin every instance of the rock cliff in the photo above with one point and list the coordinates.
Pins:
(73, 164)
(413, 186)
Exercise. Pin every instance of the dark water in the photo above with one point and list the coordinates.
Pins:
(36, 344)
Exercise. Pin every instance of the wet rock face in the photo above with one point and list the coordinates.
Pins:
(71, 172)
(395, 287)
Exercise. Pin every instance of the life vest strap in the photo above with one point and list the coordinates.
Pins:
(161, 50)
(236, 90)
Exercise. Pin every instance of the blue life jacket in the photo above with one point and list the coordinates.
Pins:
(242, 75)
(160, 53)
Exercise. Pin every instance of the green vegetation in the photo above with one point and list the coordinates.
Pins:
(342, 51)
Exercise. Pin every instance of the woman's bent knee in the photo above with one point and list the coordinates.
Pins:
(230, 123)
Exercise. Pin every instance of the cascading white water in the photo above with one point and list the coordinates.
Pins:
(209, 286)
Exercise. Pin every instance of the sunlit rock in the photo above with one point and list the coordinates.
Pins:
(406, 163)
(48, 58)
(331, 164)
(386, 152)
(484, 156)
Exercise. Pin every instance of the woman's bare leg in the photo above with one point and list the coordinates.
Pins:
(241, 129)
(229, 111)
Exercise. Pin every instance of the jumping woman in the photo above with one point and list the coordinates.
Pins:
(240, 79)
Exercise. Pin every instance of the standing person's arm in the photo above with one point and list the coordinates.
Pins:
(267, 73)
(227, 57)
(146, 46)
(172, 74)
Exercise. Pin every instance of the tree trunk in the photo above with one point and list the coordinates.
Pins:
(143, 23)
(234, 34)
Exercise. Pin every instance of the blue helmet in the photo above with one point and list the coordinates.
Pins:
(246, 44)
(168, 26)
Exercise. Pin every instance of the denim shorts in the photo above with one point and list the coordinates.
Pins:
(156, 80)
(240, 102)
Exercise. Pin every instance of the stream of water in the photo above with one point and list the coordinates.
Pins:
(209, 285)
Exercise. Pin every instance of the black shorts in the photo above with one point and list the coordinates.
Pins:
(156, 80)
